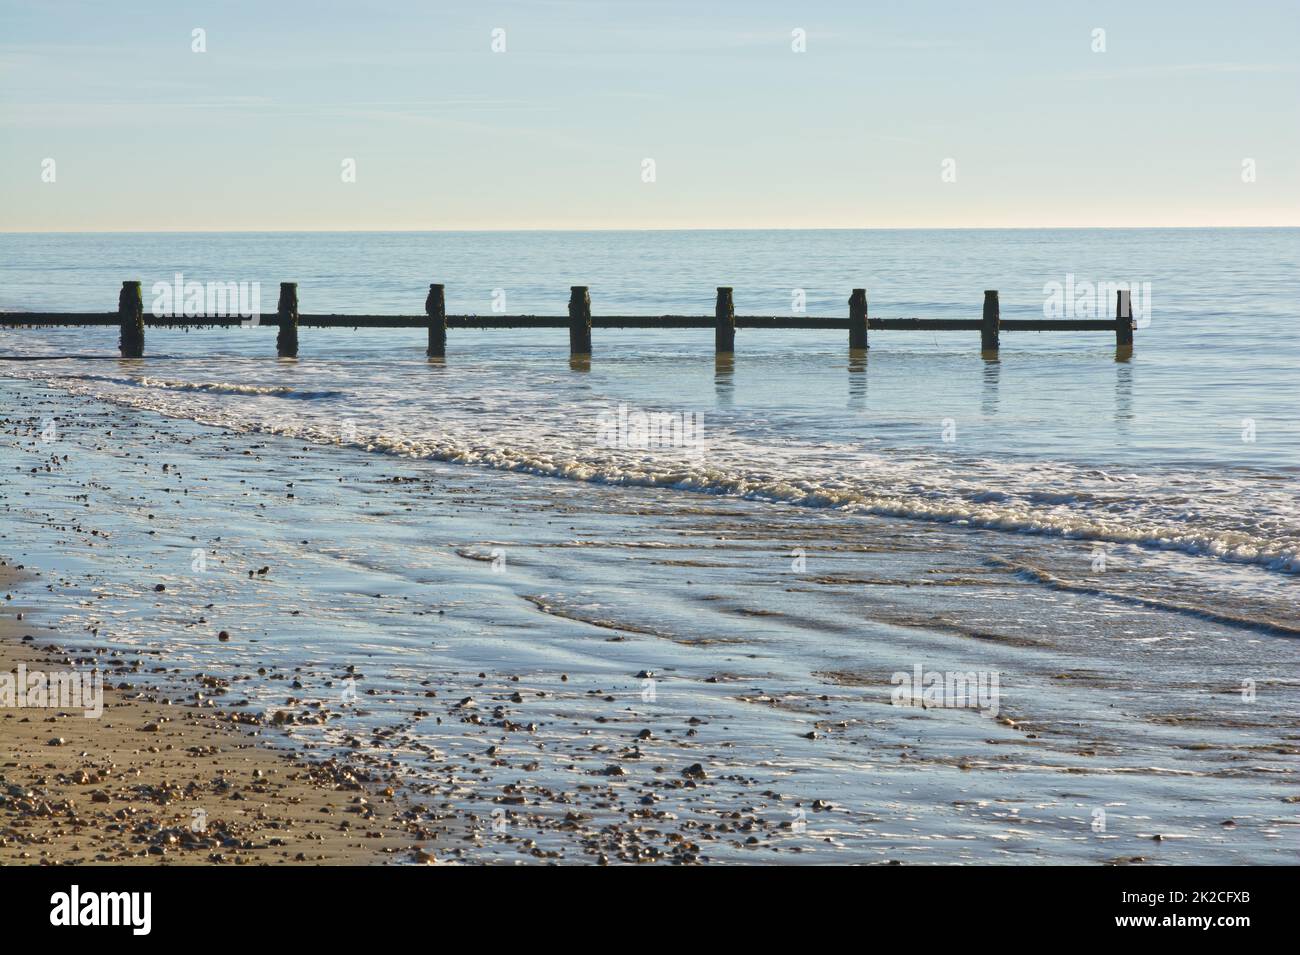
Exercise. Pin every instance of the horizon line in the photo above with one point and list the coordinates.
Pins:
(418, 231)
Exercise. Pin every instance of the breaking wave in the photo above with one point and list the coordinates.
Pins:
(1228, 517)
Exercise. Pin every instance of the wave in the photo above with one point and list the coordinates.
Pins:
(1237, 520)
(1227, 545)
(1200, 611)
(213, 387)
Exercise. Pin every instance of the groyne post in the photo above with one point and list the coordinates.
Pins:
(724, 323)
(858, 318)
(579, 320)
(989, 323)
(286, 340)
(1123, 319)
(435, 306)
(130, 313)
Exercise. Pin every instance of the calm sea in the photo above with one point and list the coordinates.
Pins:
(1193, 444)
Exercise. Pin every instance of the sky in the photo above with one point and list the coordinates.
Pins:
(640, 115)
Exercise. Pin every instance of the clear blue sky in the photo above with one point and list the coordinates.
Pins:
(552, 133)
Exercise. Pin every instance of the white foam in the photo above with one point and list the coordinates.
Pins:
(528, 427)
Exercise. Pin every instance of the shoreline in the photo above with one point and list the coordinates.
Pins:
(642, 676)
(160, 781)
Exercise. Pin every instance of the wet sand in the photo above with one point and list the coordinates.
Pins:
(157, 782)
(633, 675)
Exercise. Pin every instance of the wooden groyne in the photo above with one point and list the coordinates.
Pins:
(132, 321)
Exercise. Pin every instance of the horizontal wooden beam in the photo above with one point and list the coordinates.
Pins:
(287, 320)
(559, 321)
(925, 324)
(1058, 325)
(59, 318)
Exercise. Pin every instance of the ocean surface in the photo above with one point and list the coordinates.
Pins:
(1117, 536)
(1192, 444)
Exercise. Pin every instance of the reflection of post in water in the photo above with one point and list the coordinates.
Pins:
(580, 362)
(724, 382)
(1123, 395)
(858, 379)
(992, 374)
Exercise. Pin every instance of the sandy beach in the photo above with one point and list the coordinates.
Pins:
(158, 781)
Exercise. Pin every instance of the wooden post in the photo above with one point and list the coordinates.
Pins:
(130, 313)
(724, 327)
(579, 320)
(989, 323)
(858, 318)
(435, 306)
(286, 340)
(1123, 319)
